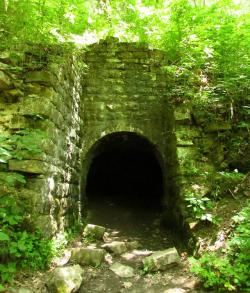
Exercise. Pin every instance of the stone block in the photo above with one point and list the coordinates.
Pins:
(29, 166)
(19, 122)
(122, 270)
(217, 126)
(94, 232)
(33, 88)
(88, 256)
(117, 247)
(161, 260)
(46, 223)
(37, 107)
(44, 77)
(65, 279)
(20, 290)
(14, 93)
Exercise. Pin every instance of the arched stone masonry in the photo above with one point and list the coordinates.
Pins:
(78, 100)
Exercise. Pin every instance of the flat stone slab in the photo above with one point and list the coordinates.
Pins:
(122, 270)
(20, 290)
(93, 232)
(175, 290)
(117, 247)
(160, 260)
(88, 256)
(65, 279)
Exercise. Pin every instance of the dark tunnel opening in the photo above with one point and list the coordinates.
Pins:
(124, 186)
(126, 176)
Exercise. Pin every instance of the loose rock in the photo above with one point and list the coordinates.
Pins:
(122, 270)
(65, 279)
(94, 232)
(160, 260)
(88, 256)
(117, 247)
(175, 290)
(132, 245)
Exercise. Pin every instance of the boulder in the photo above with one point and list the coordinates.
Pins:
(65, 279)
(122, 270)
(93, 232)
(117, 247)
(160, 260)
(88, 256)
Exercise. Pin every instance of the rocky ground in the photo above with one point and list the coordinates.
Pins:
(104, 260)
(132, 255)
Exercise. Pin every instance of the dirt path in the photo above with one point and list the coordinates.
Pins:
(176, 279)
(139, 227)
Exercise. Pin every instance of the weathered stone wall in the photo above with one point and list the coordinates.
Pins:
(77, 100)
(45, 97)
(125, 90)
(206, 150)
(195, 168)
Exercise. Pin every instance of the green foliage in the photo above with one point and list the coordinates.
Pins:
(199, 207)
(230, 270)
(22, 247)
(225, 184)
(19, 247)
(89, 239)
(194, 34)
(21, 144)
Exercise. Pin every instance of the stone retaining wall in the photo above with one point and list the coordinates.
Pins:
(44, 97)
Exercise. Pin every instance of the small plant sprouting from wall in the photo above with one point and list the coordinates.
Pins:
(22, 143)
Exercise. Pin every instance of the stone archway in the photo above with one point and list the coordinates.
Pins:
(125, 170)
(112, 87)
(123, 181)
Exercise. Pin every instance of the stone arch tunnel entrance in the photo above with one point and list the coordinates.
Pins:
(124, 183)
(126, 171)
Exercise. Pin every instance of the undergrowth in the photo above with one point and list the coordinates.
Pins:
(228, 270)
(21, 245)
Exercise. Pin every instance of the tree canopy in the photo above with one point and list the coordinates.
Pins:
(207, 41)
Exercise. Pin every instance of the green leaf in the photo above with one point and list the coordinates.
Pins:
(4, 236)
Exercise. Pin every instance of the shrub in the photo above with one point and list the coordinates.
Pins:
(230, 269)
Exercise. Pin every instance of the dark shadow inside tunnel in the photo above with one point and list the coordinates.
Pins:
(126, 176)
(124, 184)
(126, 172)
